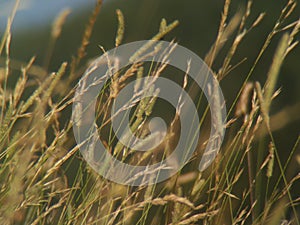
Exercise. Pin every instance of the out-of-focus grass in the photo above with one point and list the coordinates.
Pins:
(44, 179)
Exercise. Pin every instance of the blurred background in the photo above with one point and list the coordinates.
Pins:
(197, 31)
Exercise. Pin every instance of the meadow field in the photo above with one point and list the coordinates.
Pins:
(251, 48)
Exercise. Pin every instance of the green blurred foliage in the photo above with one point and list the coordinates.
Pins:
(197, 31)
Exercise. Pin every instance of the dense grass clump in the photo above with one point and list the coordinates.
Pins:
(45, 180)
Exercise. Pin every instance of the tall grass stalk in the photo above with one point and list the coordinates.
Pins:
(44, 178)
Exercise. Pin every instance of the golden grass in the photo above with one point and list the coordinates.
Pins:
(45, 180)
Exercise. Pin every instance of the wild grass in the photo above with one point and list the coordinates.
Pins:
(45, 180)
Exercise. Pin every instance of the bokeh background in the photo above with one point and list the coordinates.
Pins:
(197, 31)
